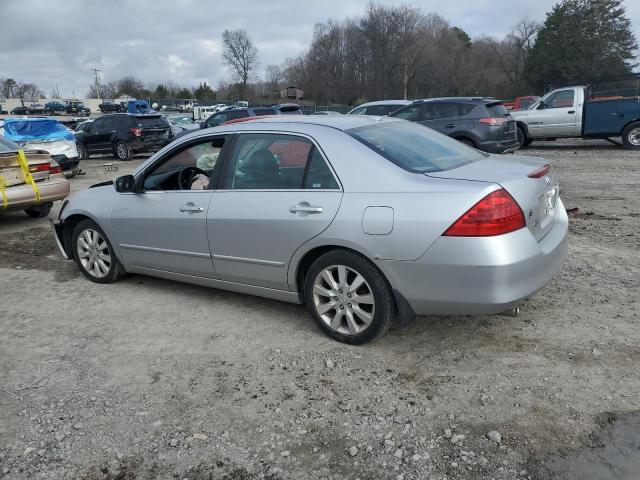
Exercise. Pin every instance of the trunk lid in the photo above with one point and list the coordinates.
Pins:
(39, 164)
(536, 196)
(153, 128)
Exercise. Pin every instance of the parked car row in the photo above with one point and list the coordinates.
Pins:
(68, 107)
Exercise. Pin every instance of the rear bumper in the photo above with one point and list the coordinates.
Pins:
(22, 196)
(501, 146)
(468, 276)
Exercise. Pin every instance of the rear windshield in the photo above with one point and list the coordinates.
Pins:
(264, 111)
(290, 110)
(414, 147)
(497, 110)
(151, 122)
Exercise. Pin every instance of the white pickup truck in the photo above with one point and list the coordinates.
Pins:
(570, 113)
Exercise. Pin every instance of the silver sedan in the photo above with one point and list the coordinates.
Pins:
(366, 220)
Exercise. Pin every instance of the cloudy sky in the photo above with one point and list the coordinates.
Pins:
(180, 40)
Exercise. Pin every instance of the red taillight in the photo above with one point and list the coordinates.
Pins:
(495, 214)
(55, 169)
(136, 131)
(540, 172)
(41, 167)
(493, 121)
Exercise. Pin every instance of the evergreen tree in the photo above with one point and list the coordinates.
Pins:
(582, 40)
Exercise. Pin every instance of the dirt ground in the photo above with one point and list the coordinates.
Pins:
(148, 378)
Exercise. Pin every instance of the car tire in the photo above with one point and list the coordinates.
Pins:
(82, 151)
(39, 211)
(631, 136)
(94, 254)
(122, 151)
(354, 278)
(523, 140)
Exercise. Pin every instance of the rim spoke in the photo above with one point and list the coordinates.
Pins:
(328, 277)
(351, 323)
(336, 321)
(367, 299)
(325, 307)
(106, 257)
(83, 243)
(87, 236)
(320, 290)
(357, 282)
(364, 316)
(103, 266)
(82, 253)
(342, 275)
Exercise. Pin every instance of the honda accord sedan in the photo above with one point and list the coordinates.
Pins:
(365, 220)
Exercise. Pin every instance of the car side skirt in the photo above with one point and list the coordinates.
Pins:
(282, 295)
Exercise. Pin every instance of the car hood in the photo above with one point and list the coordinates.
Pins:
(536, 196)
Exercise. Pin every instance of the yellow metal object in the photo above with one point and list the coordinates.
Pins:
(24, 165)
(3, 185)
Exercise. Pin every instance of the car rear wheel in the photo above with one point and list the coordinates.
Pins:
(348, 297)
(631, 136)
(82, 151)
(93, 253)
(466, 141)
(39, 211)
(122, 151)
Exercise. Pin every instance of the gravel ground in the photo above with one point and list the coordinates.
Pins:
(148, 378)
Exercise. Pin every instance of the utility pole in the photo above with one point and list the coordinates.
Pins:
(96, 73)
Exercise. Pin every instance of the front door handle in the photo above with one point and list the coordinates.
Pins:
(191, 208)
(305, 208)
(451, 125)
(571, 112)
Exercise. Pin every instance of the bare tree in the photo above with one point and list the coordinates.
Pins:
(239, 53)
(7, 87)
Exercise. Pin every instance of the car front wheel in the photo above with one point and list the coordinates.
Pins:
(93, 253)
(82, 151)
(348, 297)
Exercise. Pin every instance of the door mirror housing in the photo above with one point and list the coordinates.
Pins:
(542, 105)
(203, 125)
(125, 184)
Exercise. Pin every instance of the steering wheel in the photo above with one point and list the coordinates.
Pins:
(187, 175)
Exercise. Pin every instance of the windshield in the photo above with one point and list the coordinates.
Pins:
(8, 145)
(414, 147)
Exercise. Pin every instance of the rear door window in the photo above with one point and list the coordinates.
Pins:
(466, 108)
(437, 111)
(412, 113)
(380, 109)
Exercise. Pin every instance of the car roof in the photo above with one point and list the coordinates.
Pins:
(385, 102)
(479, 100)
(338, 122)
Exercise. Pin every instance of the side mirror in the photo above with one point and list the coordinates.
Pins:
(125, 184)
(541, 105)
(203, 125)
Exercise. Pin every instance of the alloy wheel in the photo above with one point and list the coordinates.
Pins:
(343, 299)
(634, 137)
(123, 150)
(93, 253)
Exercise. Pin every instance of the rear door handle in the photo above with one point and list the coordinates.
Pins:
(451, 125)
(191, 208)
(304, 207)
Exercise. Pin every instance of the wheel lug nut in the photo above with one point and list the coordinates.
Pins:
(340, 291)
(349, 305)
(341, 307)
(335, 298)
(349, 295)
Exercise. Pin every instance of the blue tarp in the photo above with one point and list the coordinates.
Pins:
(38, 129)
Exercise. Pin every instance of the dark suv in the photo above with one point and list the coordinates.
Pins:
(254, 111)
(124, 135)
(482, 123)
